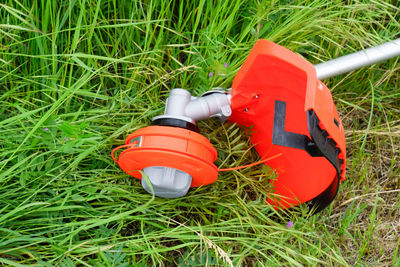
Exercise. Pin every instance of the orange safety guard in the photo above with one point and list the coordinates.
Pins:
(273, 77)
(172, 147)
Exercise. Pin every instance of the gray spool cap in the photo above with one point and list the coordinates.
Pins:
(167, 182)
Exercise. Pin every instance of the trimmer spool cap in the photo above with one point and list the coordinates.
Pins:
(172, 147)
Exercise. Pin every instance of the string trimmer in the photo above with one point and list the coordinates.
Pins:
(295, 127)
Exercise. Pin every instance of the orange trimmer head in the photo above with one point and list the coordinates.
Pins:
(291, 112)
(171, 147)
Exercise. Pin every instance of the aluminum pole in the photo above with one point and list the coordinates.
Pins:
(358, 59)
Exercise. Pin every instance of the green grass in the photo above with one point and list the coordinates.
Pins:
(76, 77)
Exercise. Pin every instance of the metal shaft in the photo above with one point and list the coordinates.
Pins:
(358, 59)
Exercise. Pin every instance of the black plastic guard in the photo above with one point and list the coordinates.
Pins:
(321, 144)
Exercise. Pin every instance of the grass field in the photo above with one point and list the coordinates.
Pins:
(77, 76)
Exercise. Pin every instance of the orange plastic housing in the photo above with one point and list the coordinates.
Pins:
(274, 76)
(172, 147)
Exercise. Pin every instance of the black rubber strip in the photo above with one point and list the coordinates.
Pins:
(279, 136)
(176, 123)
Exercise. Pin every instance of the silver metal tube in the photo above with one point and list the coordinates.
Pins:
(216, 104)
(182, 106)
(177, 101)
(358, 59)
